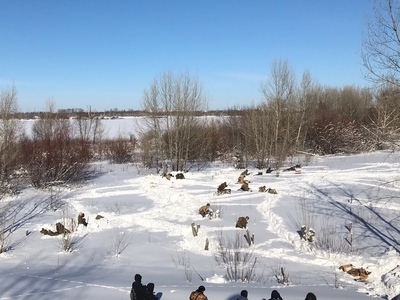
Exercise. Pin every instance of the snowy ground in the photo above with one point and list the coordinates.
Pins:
(152, 217)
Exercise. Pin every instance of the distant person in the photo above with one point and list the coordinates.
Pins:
(138, 290)
(275, 295)
(198, 294)
(242, 222)
(150, 292)
(82, 219)
(310, 296)
(204, 210)
(243, 295)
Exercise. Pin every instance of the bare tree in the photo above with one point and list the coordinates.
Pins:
(88, 126)
(172, 102)
(385, 116)
(10, 132)
(307, 105)
(240, 263)
(280, 93)
(234, 138)
(89, 129)
(258, 134)
(44, 127)
(381, 45)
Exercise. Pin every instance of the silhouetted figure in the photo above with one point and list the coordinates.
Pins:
(310, 296)
(150, 292)
(275, 295)
(138, 289)
(243, 295)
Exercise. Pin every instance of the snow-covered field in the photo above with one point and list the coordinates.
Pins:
(148, 218)
(112, 128)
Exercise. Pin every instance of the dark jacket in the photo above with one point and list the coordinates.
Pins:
(140, 290)
(81, 219)
(150, 292)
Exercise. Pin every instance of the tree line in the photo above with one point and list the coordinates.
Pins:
(296, 116)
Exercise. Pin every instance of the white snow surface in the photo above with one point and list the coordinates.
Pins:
(152, 217)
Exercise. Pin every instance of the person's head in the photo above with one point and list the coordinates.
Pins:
(138, 277)
(208, 204)
(275, 294)
(247, 217)
(244, 293)
(311, 296)
(150, 287)
(201, 288)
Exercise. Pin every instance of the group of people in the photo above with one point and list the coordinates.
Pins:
(275, 296)
(142, 292)
(199, 295)
(146, 292)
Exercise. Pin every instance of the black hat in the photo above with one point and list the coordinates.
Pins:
(244, 293)
(138, 277)
(201, 288)
(275, 294)
(150, 287)
(311, 296)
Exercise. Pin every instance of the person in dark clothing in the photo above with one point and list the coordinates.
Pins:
(243, 295)
(82, 219)
(150, 292)
(311, 296)
(138, 289)
(242, 222)
(275, 295)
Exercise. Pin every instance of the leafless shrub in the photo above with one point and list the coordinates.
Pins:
(69, 240)
(120, 240)
(116, 207)
(328, 238)
(304, 215)
(239, 261)
(279, 273)
(89, 127)
(53, 155)
(183, 260)
(150, 149)
(55, 199)
(7, 219)
(120, 150)
(336, 281)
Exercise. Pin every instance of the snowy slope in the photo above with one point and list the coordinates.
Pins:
(148, 219)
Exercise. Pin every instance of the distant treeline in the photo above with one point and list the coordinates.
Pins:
(78, 112)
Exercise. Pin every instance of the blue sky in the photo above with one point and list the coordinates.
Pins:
(104, 54)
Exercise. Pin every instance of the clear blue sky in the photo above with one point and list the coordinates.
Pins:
(103, 54)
